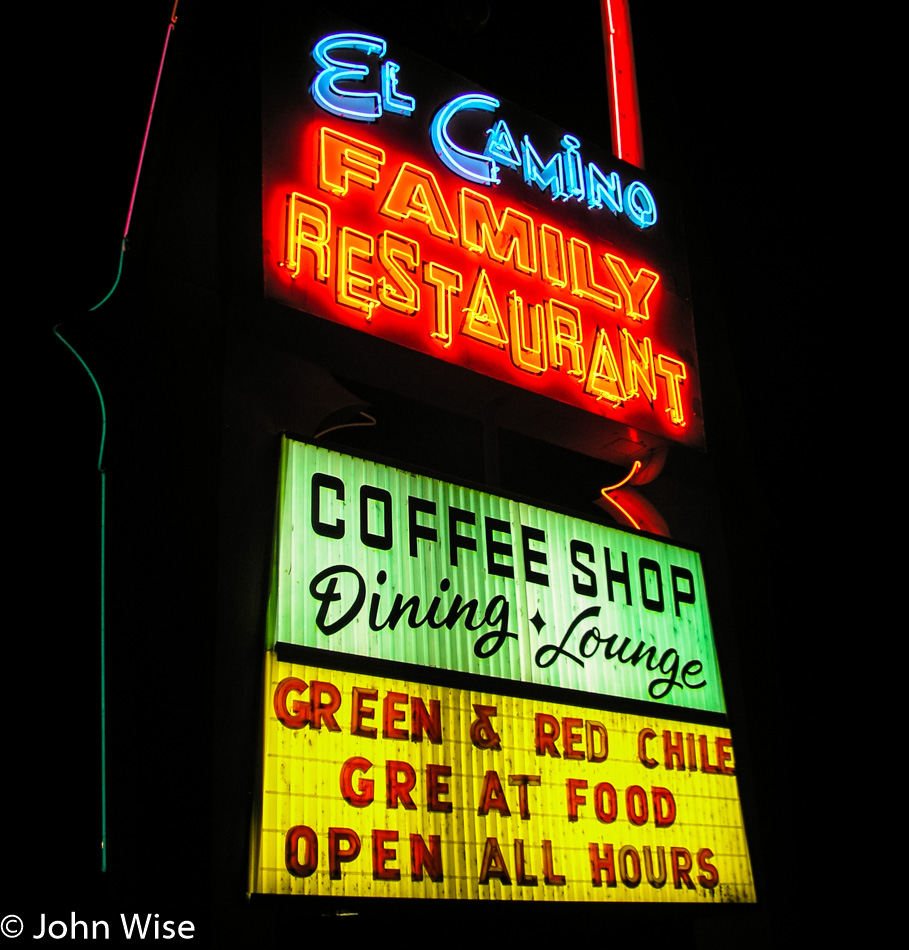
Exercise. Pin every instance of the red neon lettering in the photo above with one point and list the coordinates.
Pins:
(638, 366)
(354, 288)
(508, 237)
(446, 283)
(566, 337)
(398, 255)
(482, 319)
(604, 381)
(344, 159)
(387, 270)
(415, 194)
(554, 268)
(580, 260)
(673, 373)
(634, 288)
(308, 229)
(527, 341)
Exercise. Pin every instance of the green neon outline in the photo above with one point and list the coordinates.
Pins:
(104, 300)
(91, 376)
(170, 28)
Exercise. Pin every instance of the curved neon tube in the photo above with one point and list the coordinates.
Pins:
(635, 468)
(469, 165)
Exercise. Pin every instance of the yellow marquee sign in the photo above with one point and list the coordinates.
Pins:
(373, 787)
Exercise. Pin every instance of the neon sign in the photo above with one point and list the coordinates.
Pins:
(563, 175)
(399, 204)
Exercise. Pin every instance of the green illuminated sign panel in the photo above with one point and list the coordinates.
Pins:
(378, 562)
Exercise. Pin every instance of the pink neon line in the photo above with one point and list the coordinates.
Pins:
(132, 199)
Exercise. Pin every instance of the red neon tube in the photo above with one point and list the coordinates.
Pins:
(624, 113)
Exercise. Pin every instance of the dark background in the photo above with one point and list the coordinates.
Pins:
(740, 116)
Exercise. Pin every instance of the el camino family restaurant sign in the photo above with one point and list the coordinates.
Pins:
(402, 203)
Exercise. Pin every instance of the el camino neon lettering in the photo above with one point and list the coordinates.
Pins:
(549, 176)
(501, 146)
(469, 165)
(563, 174)
(394, 101)
(351, 103)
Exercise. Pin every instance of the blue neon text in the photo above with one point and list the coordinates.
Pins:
(342, 87)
